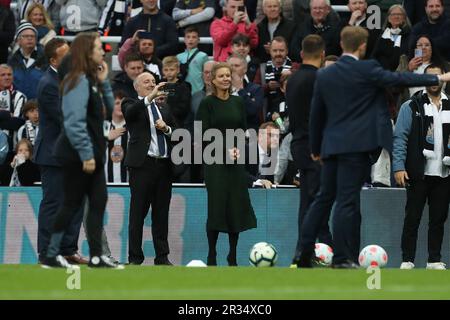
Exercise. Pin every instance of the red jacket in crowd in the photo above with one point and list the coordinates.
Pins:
(222, 32)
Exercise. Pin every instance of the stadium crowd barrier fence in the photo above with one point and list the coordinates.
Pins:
(276, 212)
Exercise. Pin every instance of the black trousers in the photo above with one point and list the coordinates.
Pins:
(150, 184)
(436, 191)
(341, 180)
(309, 187)
(52, 199)
(77, 185)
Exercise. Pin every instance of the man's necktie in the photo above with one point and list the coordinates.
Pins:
(159, 133)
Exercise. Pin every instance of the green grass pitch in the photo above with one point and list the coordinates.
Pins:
(182, 283)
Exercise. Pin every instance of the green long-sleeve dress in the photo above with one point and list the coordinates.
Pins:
(229, 207)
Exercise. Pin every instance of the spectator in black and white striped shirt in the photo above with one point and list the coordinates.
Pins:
(278, 64)
(115, 169)
(30, 129)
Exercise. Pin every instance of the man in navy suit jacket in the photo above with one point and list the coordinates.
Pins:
(50, 122)
(349, 125)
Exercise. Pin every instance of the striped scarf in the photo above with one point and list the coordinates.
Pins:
(428, 151)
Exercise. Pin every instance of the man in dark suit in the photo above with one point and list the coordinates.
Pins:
(349, 125)
(299, 94)
(148, 161)
(50, 121)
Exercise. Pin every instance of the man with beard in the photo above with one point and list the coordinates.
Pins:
(421, 164)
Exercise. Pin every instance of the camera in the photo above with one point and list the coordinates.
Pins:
(241, 8)
(169, 88)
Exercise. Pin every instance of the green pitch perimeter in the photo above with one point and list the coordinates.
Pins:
(33, 282)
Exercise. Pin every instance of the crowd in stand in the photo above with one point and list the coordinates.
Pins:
(261, 40)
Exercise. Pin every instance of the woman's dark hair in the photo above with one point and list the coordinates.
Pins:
(81, 60)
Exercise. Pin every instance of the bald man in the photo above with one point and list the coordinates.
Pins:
(148, 160)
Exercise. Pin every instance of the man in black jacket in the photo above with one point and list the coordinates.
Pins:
(134, 66)
(299, 94)
(273, 24)
(148, 161)
(161, 25)
(322, 23)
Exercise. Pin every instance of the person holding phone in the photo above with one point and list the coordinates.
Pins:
(421, 57)
(149, 166)
(234, 21)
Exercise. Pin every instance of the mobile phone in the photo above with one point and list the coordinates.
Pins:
(241, 8)
(418, 53)
(169, 88)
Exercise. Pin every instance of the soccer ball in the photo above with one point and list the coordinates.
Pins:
(263, 254)
(324, 253)
(373, 255)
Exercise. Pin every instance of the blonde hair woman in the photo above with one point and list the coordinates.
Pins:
(38, 16)
(229, 207)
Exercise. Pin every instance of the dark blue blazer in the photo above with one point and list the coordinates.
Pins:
(349, 111)
(50, 118)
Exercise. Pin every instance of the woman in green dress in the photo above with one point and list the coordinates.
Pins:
(229, 207)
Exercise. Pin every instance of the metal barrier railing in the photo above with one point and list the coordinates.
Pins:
(203, 40)
(112, 39)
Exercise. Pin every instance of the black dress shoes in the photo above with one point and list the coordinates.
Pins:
(304, 260)
(345, 265)
(163, 262)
